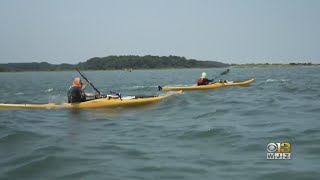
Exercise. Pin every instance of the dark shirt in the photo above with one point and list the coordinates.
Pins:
(75, 94)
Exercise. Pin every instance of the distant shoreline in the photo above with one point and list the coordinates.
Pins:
(274, 65)
(116, 63)
(121, 63)
(153, 69)
(230, 67)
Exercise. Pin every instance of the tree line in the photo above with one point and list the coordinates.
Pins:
(116, 63)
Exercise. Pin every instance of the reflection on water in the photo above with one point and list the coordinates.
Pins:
(77, 114)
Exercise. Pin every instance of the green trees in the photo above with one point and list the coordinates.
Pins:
(146, 62)
(115, 63)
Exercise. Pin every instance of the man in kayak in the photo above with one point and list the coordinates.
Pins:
(76, 92)
(203, 80)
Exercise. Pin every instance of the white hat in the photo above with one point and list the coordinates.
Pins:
(204, 75)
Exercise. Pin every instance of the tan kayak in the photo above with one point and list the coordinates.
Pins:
(205, 87)
(97, 103)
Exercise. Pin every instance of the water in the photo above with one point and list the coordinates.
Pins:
(215, 134)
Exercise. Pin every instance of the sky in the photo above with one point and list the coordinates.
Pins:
(229, 31)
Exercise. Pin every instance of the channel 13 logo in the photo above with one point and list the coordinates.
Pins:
(279, 150)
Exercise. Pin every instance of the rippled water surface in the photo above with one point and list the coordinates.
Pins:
(214, 134)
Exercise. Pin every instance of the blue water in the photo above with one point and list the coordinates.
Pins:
(214, 134)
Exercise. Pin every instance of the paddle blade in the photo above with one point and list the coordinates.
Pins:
(225, 72)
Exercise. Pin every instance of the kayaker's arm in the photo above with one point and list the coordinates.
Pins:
(208, 80)
(97, 96)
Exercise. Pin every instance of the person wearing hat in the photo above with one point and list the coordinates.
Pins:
(203, 80)
(76, 92)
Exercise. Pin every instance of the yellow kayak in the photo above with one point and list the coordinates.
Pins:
(205, 87)
(96, 103)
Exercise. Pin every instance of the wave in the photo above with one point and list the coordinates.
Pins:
(285, 174)
(175, 169)
(80, 175)
(48, 149)
(49, 90)
(57, 99)
(214, 162)
(311, 131)
(271, 80)
(32, 168)
(212, 114)
(18, 136)
(277, 80)
(196, 134)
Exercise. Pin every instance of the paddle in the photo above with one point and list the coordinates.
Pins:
(223, 73)
(89, 82)
(117, 94)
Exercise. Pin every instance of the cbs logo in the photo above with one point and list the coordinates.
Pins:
(279, 147)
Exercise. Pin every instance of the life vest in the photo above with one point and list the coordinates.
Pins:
(203, 81)
(200, 81)
(75, 94)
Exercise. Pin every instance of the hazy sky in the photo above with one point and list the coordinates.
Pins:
(230, 31)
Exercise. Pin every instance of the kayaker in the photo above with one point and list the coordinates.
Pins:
(76, 92)
(203, 80)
